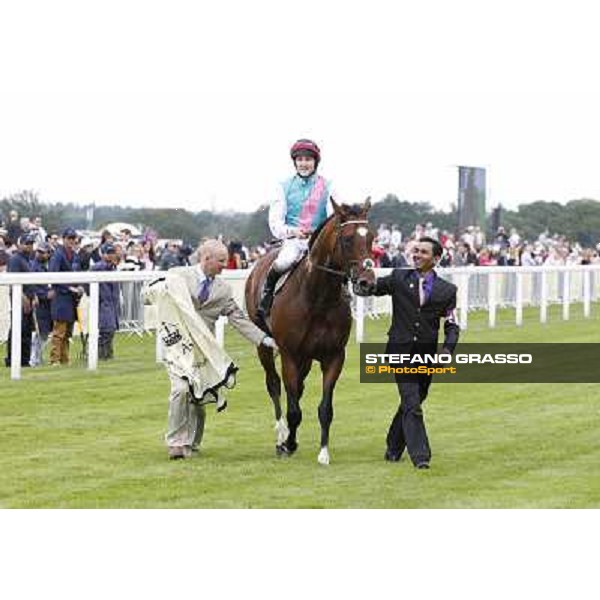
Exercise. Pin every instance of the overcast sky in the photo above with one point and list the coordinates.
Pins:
(136, 104)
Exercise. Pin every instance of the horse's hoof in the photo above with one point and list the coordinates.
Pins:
(285, 449)
(281, 451)
(323, 458)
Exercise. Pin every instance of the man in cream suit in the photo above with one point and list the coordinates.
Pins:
(211, 298)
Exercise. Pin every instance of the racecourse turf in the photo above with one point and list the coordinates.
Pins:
(78, 439)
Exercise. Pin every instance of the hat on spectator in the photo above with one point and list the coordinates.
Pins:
(108, 248)
(27, 238)
(69, 232)
(44, 247)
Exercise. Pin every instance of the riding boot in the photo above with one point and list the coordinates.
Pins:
(266, 299)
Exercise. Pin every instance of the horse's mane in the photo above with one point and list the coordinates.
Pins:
(353, 210)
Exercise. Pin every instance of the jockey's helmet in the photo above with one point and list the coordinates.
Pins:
(305, 147)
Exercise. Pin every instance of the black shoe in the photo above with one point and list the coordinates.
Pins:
(391, 456)
(422, 465)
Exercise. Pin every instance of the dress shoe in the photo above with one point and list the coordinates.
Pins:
(422, 465)
(176, 452)
(187, 452)
(391, 456)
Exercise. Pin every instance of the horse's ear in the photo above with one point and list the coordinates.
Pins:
(336, 206)
(367, 204)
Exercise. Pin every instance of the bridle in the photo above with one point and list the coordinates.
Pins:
(347, 274)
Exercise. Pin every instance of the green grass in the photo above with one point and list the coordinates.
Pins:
(74, 439)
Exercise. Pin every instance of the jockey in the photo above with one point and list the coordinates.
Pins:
(300, 206)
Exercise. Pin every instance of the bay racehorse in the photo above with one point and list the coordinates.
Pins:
(311, 318)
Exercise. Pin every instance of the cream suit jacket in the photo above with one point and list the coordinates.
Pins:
(220, 302)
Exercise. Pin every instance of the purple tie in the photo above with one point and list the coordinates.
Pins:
(204, 291)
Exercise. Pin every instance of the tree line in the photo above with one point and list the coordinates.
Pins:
(578, 219)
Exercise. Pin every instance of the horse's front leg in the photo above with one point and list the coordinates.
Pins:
(331, 369)
(294, 373)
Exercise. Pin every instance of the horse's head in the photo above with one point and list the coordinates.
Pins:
(346, 242)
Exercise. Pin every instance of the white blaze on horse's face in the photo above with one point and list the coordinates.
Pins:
(362, 231)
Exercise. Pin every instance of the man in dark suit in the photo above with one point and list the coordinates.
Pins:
(43, 316)
(19, 263)
(108, 303)
(420, 299)
(64, 298)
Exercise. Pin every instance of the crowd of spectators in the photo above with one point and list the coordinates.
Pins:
(134, 253)
(471, 248)
(50, 312)
(390, 249)
(26, 245)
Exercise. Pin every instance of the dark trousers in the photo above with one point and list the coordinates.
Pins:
(44, 319)
(105, 344)
(26, 330)
(407, 429)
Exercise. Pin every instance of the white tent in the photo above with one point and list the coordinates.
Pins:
(116, 228)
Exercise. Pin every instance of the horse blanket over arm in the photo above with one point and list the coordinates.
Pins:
(190, 350)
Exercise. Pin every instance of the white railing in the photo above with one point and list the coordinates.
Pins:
(490, 288)
(478, 288)
(92, 278)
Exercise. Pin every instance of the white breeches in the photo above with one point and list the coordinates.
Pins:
(292, 250)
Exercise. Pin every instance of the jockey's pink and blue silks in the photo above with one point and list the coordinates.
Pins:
(306, 200)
